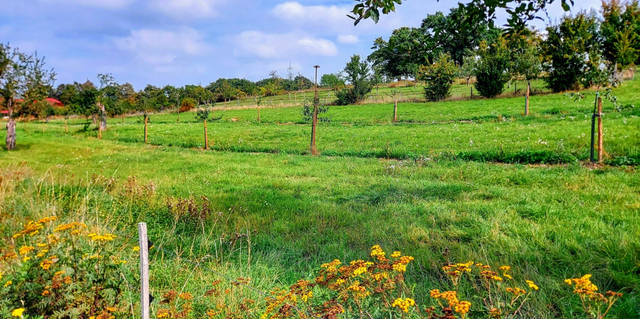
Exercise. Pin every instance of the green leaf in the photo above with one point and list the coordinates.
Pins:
(565, 5)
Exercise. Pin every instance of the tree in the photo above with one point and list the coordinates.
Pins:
(519, 11)
(25, 75)
(620, 28)
(438, 78)
(12, 77)
(107, 98)
(526, 59)
(332, 81)
(492, 67)
(357, 74)
(567, 48)
(468, 68)
(202, 115)
(402, 55)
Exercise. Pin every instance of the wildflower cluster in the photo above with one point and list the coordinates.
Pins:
(502, 295)
(593, 303)
(355, 286)
(52, 270)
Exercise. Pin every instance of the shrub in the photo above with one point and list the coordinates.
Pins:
(491, 70)
(187, 104)
(438, 78)
(357, 73)
(566, 48)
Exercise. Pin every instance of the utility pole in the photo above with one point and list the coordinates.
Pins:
(314, 121)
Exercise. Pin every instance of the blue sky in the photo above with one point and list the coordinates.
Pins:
(182, 42)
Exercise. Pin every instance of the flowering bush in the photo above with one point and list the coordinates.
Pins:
(60, 271)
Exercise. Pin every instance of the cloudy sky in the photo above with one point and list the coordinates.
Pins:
(182, 42)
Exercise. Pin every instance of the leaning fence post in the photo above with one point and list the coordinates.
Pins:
(144, 270)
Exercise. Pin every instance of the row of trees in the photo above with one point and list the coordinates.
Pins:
(584, 49)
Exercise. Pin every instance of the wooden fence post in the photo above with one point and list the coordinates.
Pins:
(600, 133)
(144, 270)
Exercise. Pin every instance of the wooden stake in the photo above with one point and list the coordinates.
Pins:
(144, 270)
(600, 133)
(526, 100)
(395, 111)
(206, 136)
(145, 127)
(99, 131)
(122, 118)
(258, 113)
(65, 127)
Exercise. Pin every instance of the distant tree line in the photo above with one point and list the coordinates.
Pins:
(581, 50)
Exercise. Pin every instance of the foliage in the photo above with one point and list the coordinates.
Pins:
(307, 111)
(356, 73)
(332, 80)
(438, 78)
(468, 67)
(492, 68)
(187, 104)
(522, 12)
(620, 28)
(402, 55)
(61, 271)
(526, 54)
(567, 50)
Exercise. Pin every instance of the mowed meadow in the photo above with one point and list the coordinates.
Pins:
(454, 181)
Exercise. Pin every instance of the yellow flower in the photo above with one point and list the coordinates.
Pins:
(185, 296)
(396, 254)
(47, 219)
(403, 304)
(105, 237)
(532, 285)
(26, 249)
(136, 248)
(462, 307)
(17, 312)
(8, 283)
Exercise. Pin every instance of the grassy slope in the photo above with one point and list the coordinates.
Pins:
(550, 222)
(558, 125)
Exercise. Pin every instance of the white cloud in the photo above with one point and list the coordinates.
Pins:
(296, 13)
(104, 4)
(161, 46)
(274, 45)
(347, 38)
(186, 9)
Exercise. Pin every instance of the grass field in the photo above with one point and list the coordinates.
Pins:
(413, 186)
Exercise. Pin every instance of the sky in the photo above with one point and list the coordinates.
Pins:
(180, 42)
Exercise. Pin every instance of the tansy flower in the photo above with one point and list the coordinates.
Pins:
(462, 307)
(8, 283)
(25, 250)
(532, 285)
(404, 304)
(396, 254)
(17, 312)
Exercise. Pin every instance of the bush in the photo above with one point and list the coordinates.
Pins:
(357, 73)
(566, 49)
(438, 78)
(188, 104)
(491, 71)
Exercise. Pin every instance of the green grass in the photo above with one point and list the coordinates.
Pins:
(493, 130)
(548, 222)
